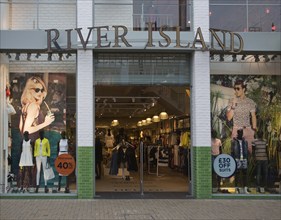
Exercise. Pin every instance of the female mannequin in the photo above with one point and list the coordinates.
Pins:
(26, 159)
(109, 140)
(63, 149)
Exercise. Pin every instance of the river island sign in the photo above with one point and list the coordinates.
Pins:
(221, 40)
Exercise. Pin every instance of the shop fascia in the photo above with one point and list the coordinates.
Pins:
(221, 40)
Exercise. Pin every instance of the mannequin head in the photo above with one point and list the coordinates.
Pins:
(260, 134)
(62, 134)
(41, 134)
(26, 135)
(240, 134)
(240, 88)
(213, 134)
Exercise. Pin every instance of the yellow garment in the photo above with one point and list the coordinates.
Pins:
(46, 150)
(185, 140)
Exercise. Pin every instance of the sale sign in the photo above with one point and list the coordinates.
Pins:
(65, 164)
(224, 165)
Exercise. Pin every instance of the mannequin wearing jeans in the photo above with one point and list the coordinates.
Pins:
(42, 154)
(239, 151)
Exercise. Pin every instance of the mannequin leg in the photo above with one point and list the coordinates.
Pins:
(59, 183)
(29, 176)
(44, 164)
(38, 165)
(67, 185)
(22, 177)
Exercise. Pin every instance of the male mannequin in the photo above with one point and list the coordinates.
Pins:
(239, 151)
(261, 158)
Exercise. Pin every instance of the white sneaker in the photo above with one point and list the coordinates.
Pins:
(246, 190)
(262, 190)
(237, 191)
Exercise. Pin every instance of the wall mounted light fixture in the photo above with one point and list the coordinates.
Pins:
(221, 58)
(257, 59)
(234, 58)
(17, 56)
(49, 56)
(28, 56)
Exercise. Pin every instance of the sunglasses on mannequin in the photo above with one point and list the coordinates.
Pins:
(237, 88)
(38, 90)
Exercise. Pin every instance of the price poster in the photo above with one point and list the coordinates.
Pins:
(65, 164)
(224, 165)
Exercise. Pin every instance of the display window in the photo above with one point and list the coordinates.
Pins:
(41, 130)
(246, 133)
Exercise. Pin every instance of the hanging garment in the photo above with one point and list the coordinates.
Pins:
(131, 159)
(26, 154)
(114, 163)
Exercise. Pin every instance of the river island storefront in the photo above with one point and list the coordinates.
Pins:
(134, 103)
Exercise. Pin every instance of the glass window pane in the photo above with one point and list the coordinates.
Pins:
(263, 16)
(141, 68)
(228, 17)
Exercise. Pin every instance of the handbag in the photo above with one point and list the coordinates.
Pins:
(10, 109)
(241, 163)
(49, 173)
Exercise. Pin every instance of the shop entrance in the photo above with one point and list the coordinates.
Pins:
(144, 134)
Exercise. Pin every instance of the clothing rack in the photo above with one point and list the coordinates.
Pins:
(159, 161)
(150, 159)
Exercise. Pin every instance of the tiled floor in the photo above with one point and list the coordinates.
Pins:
(168, 180)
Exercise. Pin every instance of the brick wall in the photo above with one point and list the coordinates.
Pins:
(85, 167)
(202, 172)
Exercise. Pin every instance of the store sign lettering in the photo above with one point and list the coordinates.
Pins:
(121, 32)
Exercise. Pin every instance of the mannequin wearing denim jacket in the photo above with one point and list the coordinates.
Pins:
(239, 151)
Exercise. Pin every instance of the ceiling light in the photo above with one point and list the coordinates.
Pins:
(139, 124)
(143, 122)
(148, 120)
(155, 118)
(163, 115)
(114, 122)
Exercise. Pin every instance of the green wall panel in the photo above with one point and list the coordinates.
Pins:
(85, 172)
(202, 172)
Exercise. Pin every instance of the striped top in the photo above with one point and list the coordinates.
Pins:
(260, 149)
